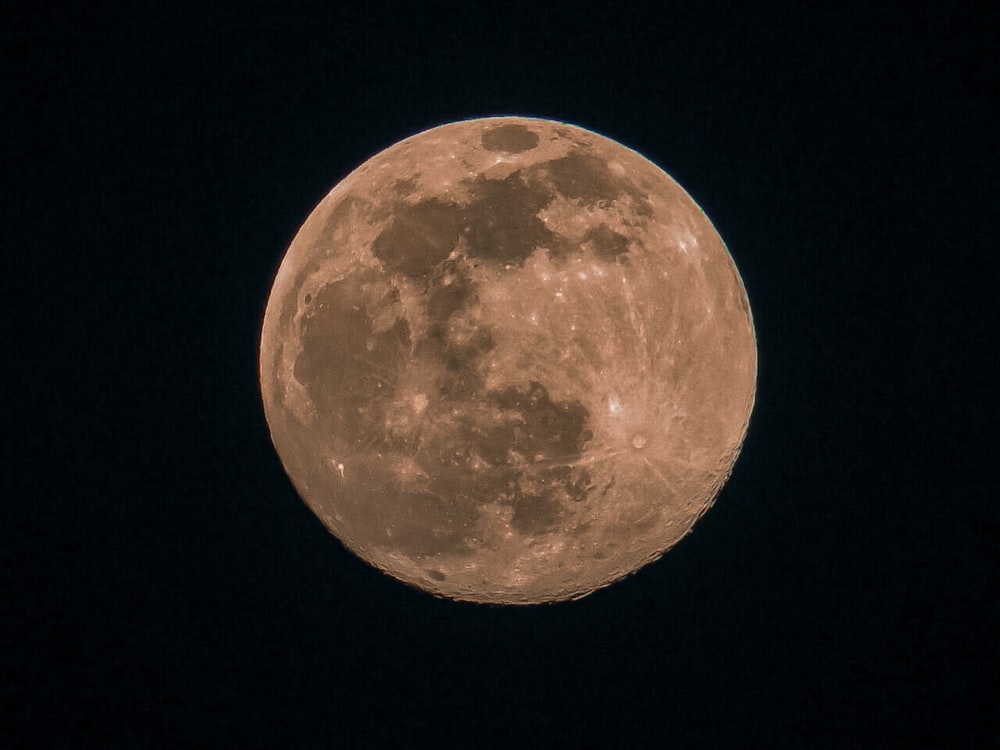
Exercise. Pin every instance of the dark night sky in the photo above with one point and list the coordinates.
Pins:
(162, 583)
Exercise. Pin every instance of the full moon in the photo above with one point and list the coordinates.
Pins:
(508, 360)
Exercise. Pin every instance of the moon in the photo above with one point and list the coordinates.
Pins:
(508, 360)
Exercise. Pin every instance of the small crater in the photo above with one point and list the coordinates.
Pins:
(512, 139)
(437, 575)
(308, 298)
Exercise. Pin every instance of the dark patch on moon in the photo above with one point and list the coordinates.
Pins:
(317, 246)
(502, 223)
(343, 360)
(553, 429)
(582, 176)
(419, 237)
(406, 185)
(607, 244)
(585, 177)
(512, 139)
(530, 452)
(534, 514)
(448, 289)
(437, 575)
(420, 524)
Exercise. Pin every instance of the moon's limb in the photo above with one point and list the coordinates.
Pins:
(508, 360)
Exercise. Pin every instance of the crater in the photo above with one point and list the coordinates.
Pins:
(513, 139)
(437, 575)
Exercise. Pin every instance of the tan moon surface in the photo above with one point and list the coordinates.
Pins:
(508, 360)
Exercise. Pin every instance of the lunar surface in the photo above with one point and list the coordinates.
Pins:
(508, 360)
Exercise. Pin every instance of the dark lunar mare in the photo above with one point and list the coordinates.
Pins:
(587, 178)
(512, 139)
(500, 222)
(338, 336)
(546, 438)
(418, 237)
(523, 459)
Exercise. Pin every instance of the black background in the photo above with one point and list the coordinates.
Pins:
(163, 585)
